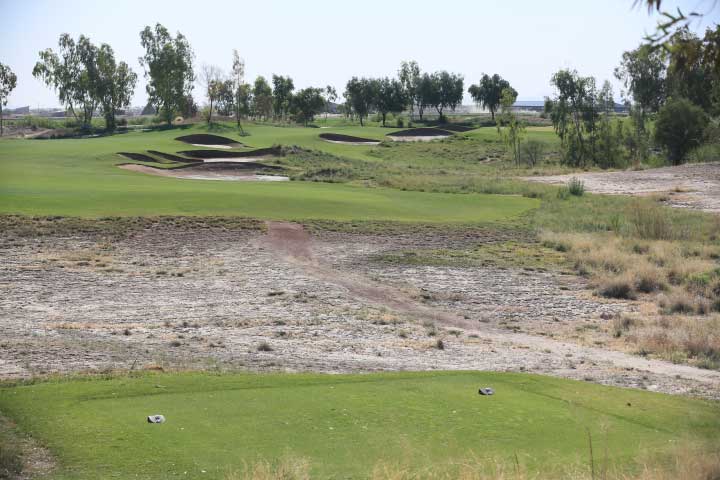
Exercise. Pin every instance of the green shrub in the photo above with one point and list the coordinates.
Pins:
(576, 187)
(679, 128)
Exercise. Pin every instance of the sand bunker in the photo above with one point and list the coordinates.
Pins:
(208, 140)
(452, 127)
(695, 186)
(347, 139)
(423, 134)
(232, 172)
(173, 158)
(214, 155)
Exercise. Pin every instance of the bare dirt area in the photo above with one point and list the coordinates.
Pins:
(695, 186)
(285, 299)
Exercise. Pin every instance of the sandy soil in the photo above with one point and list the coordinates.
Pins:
(193, 174)
(206, 299)
(228, 147)
(350, 143)
(424, 138)
(694, 186)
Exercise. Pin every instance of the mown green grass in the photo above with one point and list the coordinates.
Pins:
(345, 425)
(78, 177)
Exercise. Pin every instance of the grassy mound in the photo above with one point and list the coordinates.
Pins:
(345, 425)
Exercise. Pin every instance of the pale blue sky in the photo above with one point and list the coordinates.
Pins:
(320, 42)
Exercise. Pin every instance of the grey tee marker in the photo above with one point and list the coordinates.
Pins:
(156, 419)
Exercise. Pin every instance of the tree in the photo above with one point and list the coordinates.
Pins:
(514, 129)
(425, 93)
(115, 84)
(225, 98)
(532, 151)
(643, 72)
(282, 94)
(447, 91)
(409, 75)
(73, 74)
(306, 103)
(360, 95)
(262, 98)
(694, 67)
(211, 78)
(566, 112)
(240, 89)
(330, 97)
(243, 101)
(679, 128)
(8, 82)
(609, 139)
(168, 64)
(488, 92)
(390, 96)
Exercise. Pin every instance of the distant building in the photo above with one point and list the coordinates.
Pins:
(20, 111)
(529, 106)
(539, 106)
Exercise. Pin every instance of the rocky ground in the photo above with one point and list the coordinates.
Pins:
(694, 186)
(282, 299)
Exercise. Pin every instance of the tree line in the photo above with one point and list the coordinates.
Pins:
(88, 78)
(673, 87)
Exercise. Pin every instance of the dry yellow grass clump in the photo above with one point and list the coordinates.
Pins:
(681, 277)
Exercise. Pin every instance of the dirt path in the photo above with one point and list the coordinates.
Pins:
(295, 245)
(695, 186)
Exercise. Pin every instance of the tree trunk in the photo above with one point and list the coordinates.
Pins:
(1, 120)
(361, 123)
(383, 115)
(210, 113)
(492, 114)
(110, 120)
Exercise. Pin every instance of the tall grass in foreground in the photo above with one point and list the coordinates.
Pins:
(687, 463)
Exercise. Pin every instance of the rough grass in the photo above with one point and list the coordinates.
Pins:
(345, 425)
(681, 277)
(689, 461)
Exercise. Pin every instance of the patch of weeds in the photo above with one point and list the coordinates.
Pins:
(264, 347)
(576, 187)
(617, 287)
(11, 460)
(440, 345)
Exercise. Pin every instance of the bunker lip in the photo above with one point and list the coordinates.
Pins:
(450, 127)
(347, 139)
(197, 172)
(419, 134)
(138, 157)
(209, 140)
(220, 155)
(173, 158)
